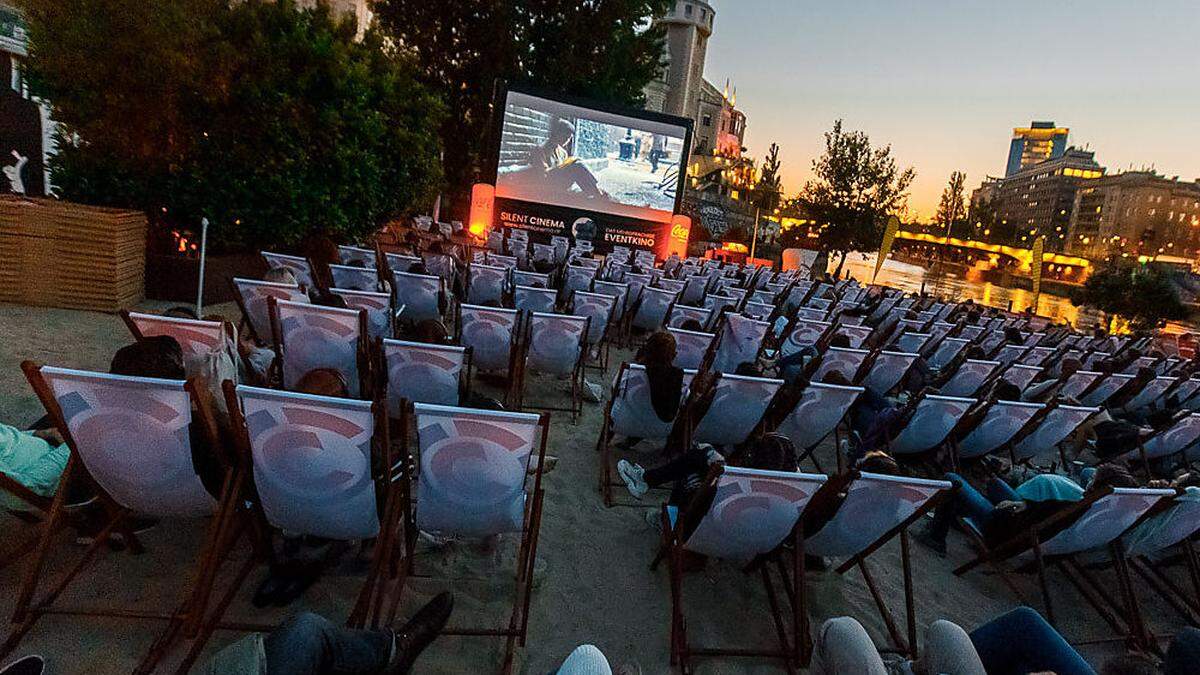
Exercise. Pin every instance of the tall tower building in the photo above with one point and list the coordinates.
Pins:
(1038, 142)
(689, 24)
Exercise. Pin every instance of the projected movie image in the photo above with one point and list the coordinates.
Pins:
(555, 153)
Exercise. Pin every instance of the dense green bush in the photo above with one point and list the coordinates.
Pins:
(274, 122)
(1143, 295)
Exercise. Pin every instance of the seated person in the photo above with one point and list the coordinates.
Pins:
(1045, 389)
(429, 331)
(664, 377)
(1005, 512)
(259, 353)
(33, 459)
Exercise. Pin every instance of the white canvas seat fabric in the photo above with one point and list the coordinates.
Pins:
(874, 505)
(737, 406)
(933, 420)
(422, 373)
(489, 332)
(820, 408)
(314, 337)
(254, 296)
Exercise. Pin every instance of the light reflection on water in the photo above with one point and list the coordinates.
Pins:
(951, 284)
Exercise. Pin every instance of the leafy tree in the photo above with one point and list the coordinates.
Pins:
(598, 49)
(1143, 295)
(953, 207)
(770, 182)
(855, 189)
(983, 217)
(271, 121)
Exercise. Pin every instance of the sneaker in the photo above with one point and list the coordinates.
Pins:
(712, 455)
(925, 537)
(632, 475)
(26, 665)
(414, 636)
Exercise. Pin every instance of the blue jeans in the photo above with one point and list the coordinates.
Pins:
(968, 502)
(1021, 641)
(790, 366)
(309, 643)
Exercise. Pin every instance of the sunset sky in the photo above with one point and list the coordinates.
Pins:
(945, 82)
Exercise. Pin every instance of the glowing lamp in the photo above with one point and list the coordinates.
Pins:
(483, 200)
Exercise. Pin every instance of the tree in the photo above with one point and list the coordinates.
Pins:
(601, 50)
(1143, 295)
(855, 189)
(271, 121)
(953, 207)
(770, 182)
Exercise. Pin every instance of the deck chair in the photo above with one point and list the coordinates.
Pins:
(930, 425)
(848, 362)
(1079, 382)
(133, 437)
(738, 404)
(621, 293)
(1139, 363)
(378, 307)
(1175, 440)
(1002, 422)
(972, 333)
(818, 413)
(485, 284)
(556, 345)
(195, 338)
(1037, 356)
(763, 297)
(690, 347)
(530, 299)
(888, 370)
(309, 336)
(719, 303)
(1095, 522)
(740, 341)
(947, 351)
(875, 509)
(523, 278)
(354, 278)
(420, 295)
(970, 377)
(1020, 375)
(758, 311)
(423, 373)
(1150, 394)
(1188, 393)
(600, 309)
(857, 334)
(751, 513)
(480, 475)
(693, 290)
(681, 314)
(673, 285)
(1104, 390)
(1148, 546)
(1009, 354)
(911, 342)
(1043, 442)
(252, 295)
(300, 267)
(356, 255)
(400, 262)
(505, 261)
(630, 413)
(579, 279)
(492, 334)
(1093, 359)
(652, 310)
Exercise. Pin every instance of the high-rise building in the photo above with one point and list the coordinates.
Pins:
(1038, 142)
(1035, 201)
(1136, 213)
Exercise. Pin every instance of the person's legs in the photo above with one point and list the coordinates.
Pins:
(309, 643)
(948, 651)
(1021, 641)
(692, 461)
(843, 646)
(999, 491)
(1184, 653)
(966, 502)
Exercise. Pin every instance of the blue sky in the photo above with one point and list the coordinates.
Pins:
(944, 82)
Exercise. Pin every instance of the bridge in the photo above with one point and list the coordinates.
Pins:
(1023, 256)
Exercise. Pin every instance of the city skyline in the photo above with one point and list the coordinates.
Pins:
(945, 85)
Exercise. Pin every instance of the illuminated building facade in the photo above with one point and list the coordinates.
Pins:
(1036, 201)
(1137, 213)
(1038, 142)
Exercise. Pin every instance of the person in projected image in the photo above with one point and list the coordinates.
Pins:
(553, 166)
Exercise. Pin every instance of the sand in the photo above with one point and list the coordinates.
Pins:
(594, 585)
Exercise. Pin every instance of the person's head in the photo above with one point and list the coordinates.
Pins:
(180, 312)
(770, 452)
(280, 275)
(1145, 374)
(326, 298)
(878, 461)
(835, 377)
(974, 352)
(1111, 475)
(159, 356)
(748, 369)
(1130, 664)
(322, 250)
(418, 268)
(659, 349)
(561, 132)
(430, 331)
(973, 316)
(323, 382)
(693, 325)
(1012, 335)
(1070, 366)
(841, 341)
(1004, 390)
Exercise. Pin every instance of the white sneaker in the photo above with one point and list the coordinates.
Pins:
(632, 475)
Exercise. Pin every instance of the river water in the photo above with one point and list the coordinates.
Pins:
(952, 285)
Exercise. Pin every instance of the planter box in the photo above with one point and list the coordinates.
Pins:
(60, 254)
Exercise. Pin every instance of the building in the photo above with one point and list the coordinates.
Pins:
(1036, 143)
(1036, 201)
(688, 24)
(26, 132)
(1136, 213)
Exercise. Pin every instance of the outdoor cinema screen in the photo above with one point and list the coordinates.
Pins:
(579, 158)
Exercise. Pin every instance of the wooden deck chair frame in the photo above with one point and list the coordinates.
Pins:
(367, 610)
(362, 351)
(516, 632)
(222, 533)
(794, 650)
(514, 346)
(604, 345)
(824, 506)
(1186, 603)
(518, 379)
(1123, 622)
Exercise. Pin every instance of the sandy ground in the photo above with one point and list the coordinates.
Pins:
(594, 585)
